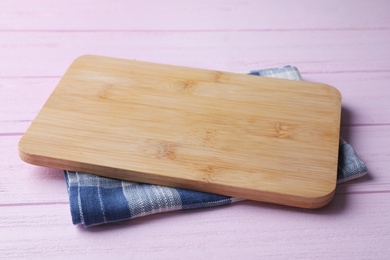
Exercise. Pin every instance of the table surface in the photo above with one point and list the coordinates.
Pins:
(342, 43)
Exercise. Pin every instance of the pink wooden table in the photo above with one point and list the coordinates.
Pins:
(342, 43)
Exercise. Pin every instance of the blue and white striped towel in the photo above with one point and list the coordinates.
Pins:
(97, 200)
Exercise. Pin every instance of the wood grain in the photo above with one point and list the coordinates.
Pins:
(194, 16)
(254, 229)
(311, 52)
(231, 134)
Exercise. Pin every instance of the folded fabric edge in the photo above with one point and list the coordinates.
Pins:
(95, 200)
(350, 166)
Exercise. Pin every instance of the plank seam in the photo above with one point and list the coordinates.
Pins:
(190, 30)
(34, 204)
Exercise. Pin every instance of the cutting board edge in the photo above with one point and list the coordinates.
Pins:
(313, 202)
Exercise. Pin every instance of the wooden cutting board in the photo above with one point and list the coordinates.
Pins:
(258, 138)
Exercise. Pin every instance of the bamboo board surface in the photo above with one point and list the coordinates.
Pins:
(258, 138)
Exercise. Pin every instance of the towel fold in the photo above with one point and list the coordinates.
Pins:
(97, 200)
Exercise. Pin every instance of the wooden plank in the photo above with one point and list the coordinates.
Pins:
(22, 98)
(374, 152)
(354, 226)
(194, 15)
(366, 96)
(312, 52)
(191, 128)
(27, 184)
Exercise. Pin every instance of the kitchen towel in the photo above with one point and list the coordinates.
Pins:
(97, 200)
